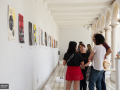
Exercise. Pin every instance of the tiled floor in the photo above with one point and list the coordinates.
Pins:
(59, 71)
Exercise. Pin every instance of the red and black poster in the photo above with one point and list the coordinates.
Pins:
(21, 29)
(30, 33)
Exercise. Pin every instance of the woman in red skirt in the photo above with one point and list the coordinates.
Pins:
(73, 61)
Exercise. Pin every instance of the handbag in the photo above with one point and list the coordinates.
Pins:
(88, 73)
(106, 64)
(70, 58)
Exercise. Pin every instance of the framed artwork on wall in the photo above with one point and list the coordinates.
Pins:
(45, 39)
(21, 29)
(50, 41)
(30, 33)
(11, 23)
(39, 35)
(54, 43)
(35, 35)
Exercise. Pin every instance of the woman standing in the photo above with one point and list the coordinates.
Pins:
(98, 55)
(85, 56)
(89, 49)
(73, 61)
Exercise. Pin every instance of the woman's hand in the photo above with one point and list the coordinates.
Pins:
(82, 66)
(87, 64)
(64, 62)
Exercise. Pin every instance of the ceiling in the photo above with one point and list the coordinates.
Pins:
(77, 12)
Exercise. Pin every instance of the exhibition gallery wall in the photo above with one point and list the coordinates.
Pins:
(29, 42)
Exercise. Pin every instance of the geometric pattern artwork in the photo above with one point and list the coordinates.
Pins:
(35, 35)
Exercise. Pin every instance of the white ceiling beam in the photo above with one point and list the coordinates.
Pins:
(75, 8)
(73, 20)
(84, 11)
(76, 1)
(73, 25)
(77, 5)
(76, 16)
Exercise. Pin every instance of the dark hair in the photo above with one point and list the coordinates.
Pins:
(82, 44)
(71, 48)
(99, 39)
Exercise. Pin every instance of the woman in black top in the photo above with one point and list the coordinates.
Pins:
(73, 61)
(89, 49)
(85, 56)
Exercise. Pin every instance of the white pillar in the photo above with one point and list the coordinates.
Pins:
(117, 74)
(114, 44)
(102, 32)
(107, 39)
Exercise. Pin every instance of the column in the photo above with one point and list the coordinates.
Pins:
(102, 32)
(117, 73)
(114, 44)
(107, 39)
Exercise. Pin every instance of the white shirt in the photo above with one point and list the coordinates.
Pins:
(98, 58)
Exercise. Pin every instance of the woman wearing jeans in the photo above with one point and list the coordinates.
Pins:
(98, 55)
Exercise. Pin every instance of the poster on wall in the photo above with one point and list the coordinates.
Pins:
(39, 35)
(54, 43)
(11, 23)
(35, 35)
(57, 44)
(30, 33)
(45, 39)
(21, 29)
(50, 41)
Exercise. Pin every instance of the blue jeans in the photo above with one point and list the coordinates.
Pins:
(83, 83)
(95, 77)
(103, 84)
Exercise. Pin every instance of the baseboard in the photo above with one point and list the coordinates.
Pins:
(41, 86)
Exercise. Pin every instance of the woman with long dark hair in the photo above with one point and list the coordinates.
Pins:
(73, 61)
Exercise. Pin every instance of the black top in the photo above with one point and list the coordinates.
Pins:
(85, 58)
(74, 61)
(88, 51)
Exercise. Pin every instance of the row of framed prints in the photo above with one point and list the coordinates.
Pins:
(43, 37)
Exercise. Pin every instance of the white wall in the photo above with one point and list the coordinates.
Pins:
(21, 67)
(72, 34)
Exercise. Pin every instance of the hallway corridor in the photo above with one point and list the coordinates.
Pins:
(59, 71)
